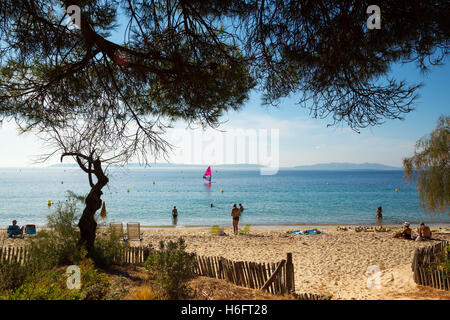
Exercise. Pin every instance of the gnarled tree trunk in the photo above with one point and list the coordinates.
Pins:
(87, 223)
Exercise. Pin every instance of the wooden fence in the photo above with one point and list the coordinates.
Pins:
(276, 278)
(14, 254)
(425, 266)
(136, 255)
(129, 255)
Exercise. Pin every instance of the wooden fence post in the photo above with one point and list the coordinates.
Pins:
(290, 279)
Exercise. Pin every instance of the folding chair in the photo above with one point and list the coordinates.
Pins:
(134, 232)
(246, 229)
(30, 229)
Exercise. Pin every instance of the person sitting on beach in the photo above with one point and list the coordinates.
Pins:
(379, 212)
(14, 229)
(241, 208)
(235, 213)
(424, 232)
(406, 233)
(174, 212)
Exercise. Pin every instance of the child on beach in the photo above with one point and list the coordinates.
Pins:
(235, 213)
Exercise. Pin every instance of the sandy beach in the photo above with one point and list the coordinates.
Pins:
(335, 263)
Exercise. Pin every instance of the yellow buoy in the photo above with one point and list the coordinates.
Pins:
(128, 190)
(221, 190)
(396, 190)
(49, 203)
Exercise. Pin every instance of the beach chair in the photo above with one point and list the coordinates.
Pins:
(134, 232)
(30, 229)
(14, 231)
(215, 230)
(246, 229)
(118, 227)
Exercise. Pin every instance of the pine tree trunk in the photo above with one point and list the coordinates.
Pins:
(87, 223)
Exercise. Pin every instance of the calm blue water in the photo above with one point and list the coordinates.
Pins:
(290, 197)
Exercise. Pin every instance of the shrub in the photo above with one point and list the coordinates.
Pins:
(44, 285)
(59, 244)
(118, 289)
(94, 285)
(108, 248)
(12, 276)
(171, 267)
(144, 292)
(52, 285)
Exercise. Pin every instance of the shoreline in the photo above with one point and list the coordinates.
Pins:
(440, 225)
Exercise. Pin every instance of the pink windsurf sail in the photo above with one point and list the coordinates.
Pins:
(207, 175)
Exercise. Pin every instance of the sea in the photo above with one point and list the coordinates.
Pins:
(290, 197)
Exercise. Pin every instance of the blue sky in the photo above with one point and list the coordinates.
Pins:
(304, 140)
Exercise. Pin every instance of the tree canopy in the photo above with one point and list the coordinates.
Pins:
(194, 60)
(430, 166)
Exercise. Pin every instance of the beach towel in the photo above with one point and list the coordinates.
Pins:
(306, 232)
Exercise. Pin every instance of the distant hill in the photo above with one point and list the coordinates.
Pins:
(319, 166)
(347, 166)
(171, 165)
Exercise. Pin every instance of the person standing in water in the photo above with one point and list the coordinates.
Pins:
(235, 213)
(241, 208)
(379, 213)
(174, 215)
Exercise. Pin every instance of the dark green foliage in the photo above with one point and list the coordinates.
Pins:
(194, 60)
(94, 285)
(51, 285)
(430, 166)
(58, 244)
(118, 289)
(12, 275)
(44, 285)
(108, 248)
(446, 260)
(171, 267)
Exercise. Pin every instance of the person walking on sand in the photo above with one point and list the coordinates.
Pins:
(235, 213)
